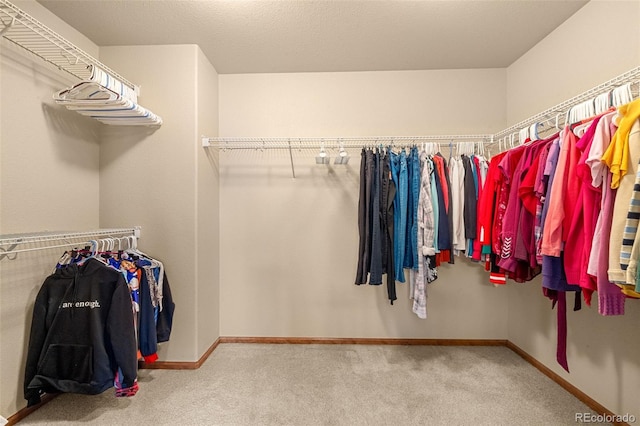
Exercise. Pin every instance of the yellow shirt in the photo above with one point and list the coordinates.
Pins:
(616, 157)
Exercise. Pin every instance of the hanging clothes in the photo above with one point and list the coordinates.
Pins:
(376, 224)
(400, 178)
(610, 300)
(388, 196)
(376, 221)
(624, 199)
(82, 328)
(581, 232)
(365, 216)
(95, 316)
(427, 272)
(413, 195)
(457, 175)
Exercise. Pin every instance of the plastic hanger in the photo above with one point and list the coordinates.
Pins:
(622, 95)
(343, 156)
(602, 102)
(322, 157)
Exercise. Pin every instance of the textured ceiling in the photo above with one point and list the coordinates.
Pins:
(251, 36)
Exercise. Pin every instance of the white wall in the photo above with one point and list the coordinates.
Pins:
(601, 41)
(49, 181)
(158, 179)
(208, 208)
(289, 246)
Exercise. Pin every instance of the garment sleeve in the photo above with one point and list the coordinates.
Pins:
(552, 230)
(526, 191)
(617, 154)
(36, 341)
(146, 323)
(427, 218)
(121, 333)
(165, 317)
(631, 237)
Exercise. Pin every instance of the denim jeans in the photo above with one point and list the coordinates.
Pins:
(400, 178)
(411, 242)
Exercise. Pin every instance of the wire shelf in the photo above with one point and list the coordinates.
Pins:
(8, 243)
(334, 142)
(632, 76)
(33, 36)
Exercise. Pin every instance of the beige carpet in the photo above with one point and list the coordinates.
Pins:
(252, 384)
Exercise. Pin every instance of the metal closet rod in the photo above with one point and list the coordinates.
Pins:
(14, 240)
(334, 142)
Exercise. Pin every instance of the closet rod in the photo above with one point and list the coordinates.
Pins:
(38, 39)
(14, 240)
(332, 142)
(630, 76)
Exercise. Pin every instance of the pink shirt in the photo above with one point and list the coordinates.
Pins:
(552, 231)
(578, 245)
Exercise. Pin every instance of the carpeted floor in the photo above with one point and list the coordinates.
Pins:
(255, 384)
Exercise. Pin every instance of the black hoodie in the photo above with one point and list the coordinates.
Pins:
(82, 332)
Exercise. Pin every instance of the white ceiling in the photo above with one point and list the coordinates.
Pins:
(255, 36)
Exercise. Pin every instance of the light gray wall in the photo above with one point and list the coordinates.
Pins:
(158, 179)
(62, 171)
(289, 247)
(601, 41)
(208, 209)
(49, 181)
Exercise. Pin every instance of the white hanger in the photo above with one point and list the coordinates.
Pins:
(558, 120)
(602, 102)
(512, 139)
(94, 247)
(622, 95)
(569, 116)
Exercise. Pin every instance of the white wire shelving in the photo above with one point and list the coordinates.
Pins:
(102, 93)
(339, 143)
(559, 111)
(232, 143)
(24, 31)
(8, 243)
(289, 143)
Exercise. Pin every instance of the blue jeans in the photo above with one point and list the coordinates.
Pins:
(411, 251)
(399, 173)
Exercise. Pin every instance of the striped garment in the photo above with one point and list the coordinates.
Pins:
(426, 227)
(631, 224)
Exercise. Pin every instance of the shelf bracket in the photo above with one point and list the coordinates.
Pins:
(293, 170)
